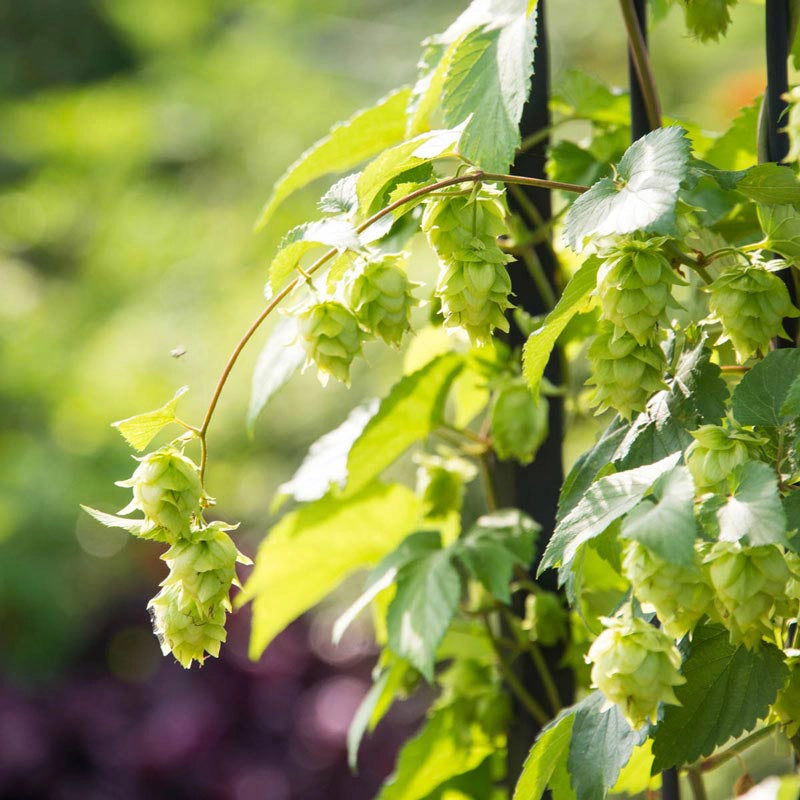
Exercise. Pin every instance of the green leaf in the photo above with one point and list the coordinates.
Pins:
(428, 591)
(736, 148)
(140, 430)
(770, 184)
(448, 745)
(325, 464)
(133, 526)
(600, 746)
(413, 407)
(696, 395)
(579, 94)
(549, 750)
(727, 690)
(760, 396)
(790, 409)
(753, 509)
(348, 143)
(666, 524)
(487, 84)
(781, 226)
(329, 232)
(422, 149)
(494, 545)
(279, 359)
(605, 501)
(643, 196)
(413, 547)
(585, 469)
(536, 352)
(311, 550)
(375, 704)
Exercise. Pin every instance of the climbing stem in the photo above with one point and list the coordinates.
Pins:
(641, 63)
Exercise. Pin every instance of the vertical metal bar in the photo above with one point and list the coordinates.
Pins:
(639, 123)
(534, 488)
(777, 41)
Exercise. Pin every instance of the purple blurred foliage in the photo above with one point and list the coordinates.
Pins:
(127, 724)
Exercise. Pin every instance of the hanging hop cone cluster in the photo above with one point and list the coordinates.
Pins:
(331, 337)
(749, 584)
(635, 666)
(441, 483)
(634, 284)
(678, 595)
(190, 610)
(714, 454)
(473, 284)
(751, 302)
(380, 296)
(625, 373)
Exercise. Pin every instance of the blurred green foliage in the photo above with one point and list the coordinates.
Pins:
(138, 140)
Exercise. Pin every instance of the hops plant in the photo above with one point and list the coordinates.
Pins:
(715, 453)
(473, 284)
(634, 284)
(749, 583)
(635, 666)
(625, 373)
(380, 297)
(331, 337)
(751, 302)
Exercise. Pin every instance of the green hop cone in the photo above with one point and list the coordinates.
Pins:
(441, 483)
(634, 284)
(519, 423)
(380, 296)
(546, 619)
(751, 303)
(625, 373)
(678, 595)
(473, 284)
(714, 454)
(786, 708)
(203, 569)
(792, 129)
(708, 19)
(635, 665)
(187, 635)
(749, 583)
(167, 490)
(332, 338)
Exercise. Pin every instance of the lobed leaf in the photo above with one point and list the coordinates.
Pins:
(605, 501)
(770, 184)
(642, 198)
(280, 357)
(550, 749)
(413, 407)
(761, 394)
(540, 343)
(727, 690)
(138, 431)
(325, 464)
(486, 86)
(311, 550)
(349, 143)
(428, 591)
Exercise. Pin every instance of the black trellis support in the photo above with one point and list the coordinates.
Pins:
(534, 488)
(777, 52)
(670, 787)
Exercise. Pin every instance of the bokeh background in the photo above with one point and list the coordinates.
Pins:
(138, 140)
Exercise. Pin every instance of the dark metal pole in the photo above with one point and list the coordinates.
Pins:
(535, 488)
(639, 123)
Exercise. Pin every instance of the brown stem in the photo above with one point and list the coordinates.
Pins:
(470, 177)
(641, 62)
